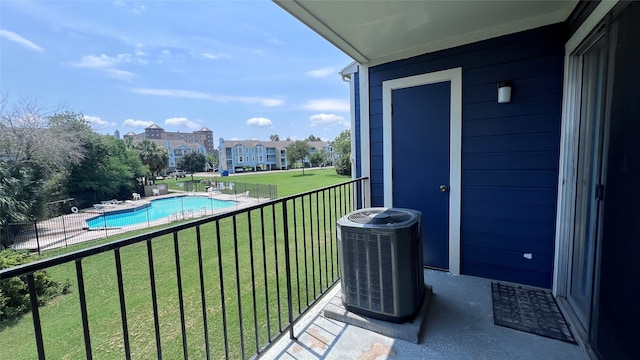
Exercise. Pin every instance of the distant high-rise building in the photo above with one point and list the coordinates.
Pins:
(116, 134)
(177, 144)
(202, 137)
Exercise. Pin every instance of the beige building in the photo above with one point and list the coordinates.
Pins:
(177, 143)
(203, 137)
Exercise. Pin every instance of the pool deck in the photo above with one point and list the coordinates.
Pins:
(70, 229)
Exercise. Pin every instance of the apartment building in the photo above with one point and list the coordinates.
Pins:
(177, 143)
(238, 155)
(202, 137)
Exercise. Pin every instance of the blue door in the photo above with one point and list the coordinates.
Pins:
(420, 136)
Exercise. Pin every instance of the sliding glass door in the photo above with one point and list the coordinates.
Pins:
(589, 180)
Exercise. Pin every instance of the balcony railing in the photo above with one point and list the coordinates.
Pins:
(222, 286)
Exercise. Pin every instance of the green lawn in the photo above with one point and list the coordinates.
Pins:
(288, 182)
(61, 318)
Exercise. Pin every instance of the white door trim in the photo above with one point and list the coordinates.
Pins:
(455, 152)
(565, 214)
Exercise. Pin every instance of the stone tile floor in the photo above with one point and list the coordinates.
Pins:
(459, 325)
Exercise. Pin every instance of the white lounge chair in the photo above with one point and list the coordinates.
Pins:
(244, 194)
(136, 196)
(156, 192)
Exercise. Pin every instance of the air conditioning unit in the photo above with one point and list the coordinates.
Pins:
(380, 255)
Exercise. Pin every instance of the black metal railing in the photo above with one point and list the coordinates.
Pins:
(106, 218)
(225, 185)
(221, 286)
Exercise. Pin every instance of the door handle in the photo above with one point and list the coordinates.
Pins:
(444, 188)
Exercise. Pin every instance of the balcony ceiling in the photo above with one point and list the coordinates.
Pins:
(374, 32)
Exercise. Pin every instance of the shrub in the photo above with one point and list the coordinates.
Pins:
(14, 292)
(343, 166)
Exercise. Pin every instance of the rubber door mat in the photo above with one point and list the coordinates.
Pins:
(531, 310)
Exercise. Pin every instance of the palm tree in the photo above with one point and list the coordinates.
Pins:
(154, 156)
(14, 205)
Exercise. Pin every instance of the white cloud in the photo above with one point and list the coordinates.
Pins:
(324, 72)
(109, 64)
(139, 9)
(11, 36)
(327, 105)
(328, 119)
(93, 61)
(178, 93)
(97, 122)
(137, 123)
(216, 56)
(136, 8)
(274, 40)
(105, 61)
(119, 74)
(259, 121)
(182, 121)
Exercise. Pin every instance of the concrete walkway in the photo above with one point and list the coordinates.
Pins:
(459, 325)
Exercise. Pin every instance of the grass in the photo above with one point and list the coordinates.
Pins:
(62, 329)
(288, 182)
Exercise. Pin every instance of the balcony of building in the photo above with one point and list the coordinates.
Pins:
(250, 282)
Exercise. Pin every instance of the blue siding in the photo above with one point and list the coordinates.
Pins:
(510, 151)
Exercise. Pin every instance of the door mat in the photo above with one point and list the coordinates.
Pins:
(531, 310)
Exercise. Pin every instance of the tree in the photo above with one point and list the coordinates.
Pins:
(18, 192)
(298, 151)
(36, 147)
(128, 142)
(342, 147)
(213, 159)
(274, 137)
(110, 170)
(154, 156)
(316, 159)
(31, 136)
(313, 138)
(192, 162)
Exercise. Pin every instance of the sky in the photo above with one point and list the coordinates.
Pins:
(243, 69)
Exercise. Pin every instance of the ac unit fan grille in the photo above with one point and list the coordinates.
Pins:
(373, 217)
(370, 279)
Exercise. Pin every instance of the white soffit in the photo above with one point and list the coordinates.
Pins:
(375, 32)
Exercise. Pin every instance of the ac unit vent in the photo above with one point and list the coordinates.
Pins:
(373, 217)
(380, 253)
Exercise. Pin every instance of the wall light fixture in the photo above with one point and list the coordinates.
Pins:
(504, 92)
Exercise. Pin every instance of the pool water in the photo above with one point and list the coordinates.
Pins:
(156, 210)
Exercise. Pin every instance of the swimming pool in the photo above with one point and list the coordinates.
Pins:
(156, 210)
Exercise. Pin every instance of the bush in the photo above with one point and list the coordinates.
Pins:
(14, 292)
(343, 166)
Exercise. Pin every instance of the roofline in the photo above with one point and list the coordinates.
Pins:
(300, 12)
(297, 9)
(349, 70)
